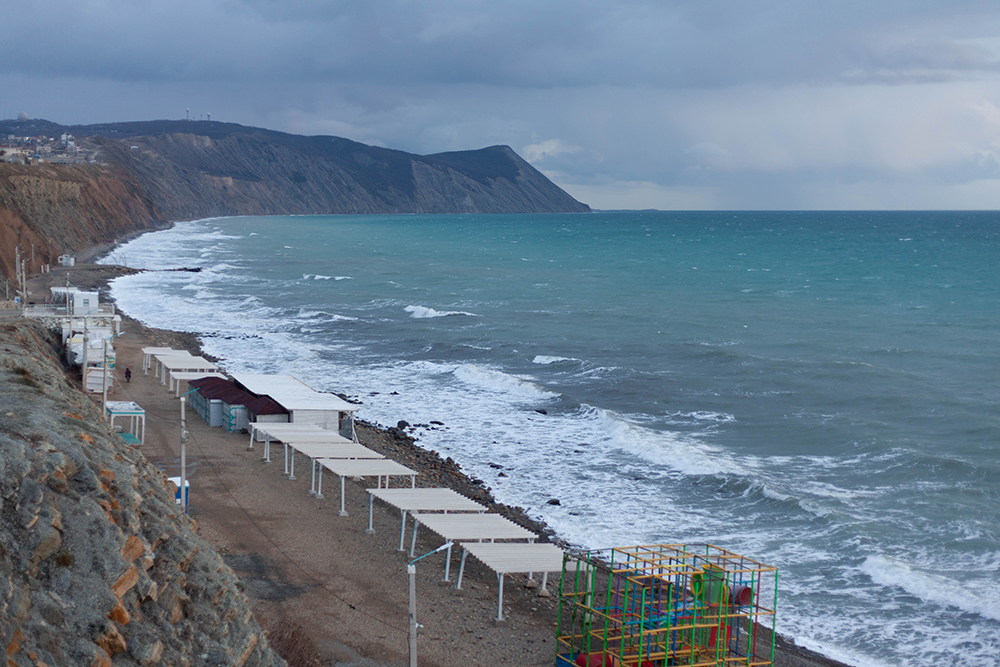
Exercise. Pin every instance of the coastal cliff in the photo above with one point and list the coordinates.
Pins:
(98, 564)
(142, 175)
(199, 169)
(52, 210)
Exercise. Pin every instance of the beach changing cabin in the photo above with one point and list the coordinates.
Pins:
(303, 404)
(221, 403)
(203, 401)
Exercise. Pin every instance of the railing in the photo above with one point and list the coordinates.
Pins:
(8, 290)
(102, 310)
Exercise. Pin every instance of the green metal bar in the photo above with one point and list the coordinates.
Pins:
(607, 602)
(559, 610)
(774, 618)
(580, 609)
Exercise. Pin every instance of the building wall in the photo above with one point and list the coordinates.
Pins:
(328, 419)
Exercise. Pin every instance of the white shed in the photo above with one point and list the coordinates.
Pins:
(81, 303)
(84, 303)
(304, 404)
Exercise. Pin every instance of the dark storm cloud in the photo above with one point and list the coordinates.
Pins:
(521, 44)
(689, 96)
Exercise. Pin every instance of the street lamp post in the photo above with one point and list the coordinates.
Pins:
(184, 439)
(411, 572)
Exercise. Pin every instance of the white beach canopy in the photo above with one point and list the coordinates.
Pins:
(288, 433)
(155, 357)
(136, 416)
(509, 558)
(148, 352)
(367, 468)
(419, 500)
(467, 527)
(182, 364)
(326, 450)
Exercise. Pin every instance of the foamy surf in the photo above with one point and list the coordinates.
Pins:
(657, 406)
(422, 312)
(545, 360)
(980, 598)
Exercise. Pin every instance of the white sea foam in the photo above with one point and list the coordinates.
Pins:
(312, 315)
(546, 360)
(826, 490)
(977, 599)
(317, 276)
(222, 266)
(815, 508)
(422, 312)
(774, 495)
(621, 478)
(498, 381)
(699, 417)
(682, 453)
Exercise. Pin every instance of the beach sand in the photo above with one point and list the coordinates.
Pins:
(329, 593)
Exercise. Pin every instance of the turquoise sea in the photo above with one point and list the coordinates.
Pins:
(817, 391)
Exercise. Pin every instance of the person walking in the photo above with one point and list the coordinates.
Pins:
(128, 375)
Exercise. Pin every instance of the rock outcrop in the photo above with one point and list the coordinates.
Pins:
(97, 565)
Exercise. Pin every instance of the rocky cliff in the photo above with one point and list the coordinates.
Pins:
(97, 566)
(200, 169)
(148, 173)
(65, 209)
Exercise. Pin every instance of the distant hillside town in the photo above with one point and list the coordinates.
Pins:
(39, 149)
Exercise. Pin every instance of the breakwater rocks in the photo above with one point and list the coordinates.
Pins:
(98, 565)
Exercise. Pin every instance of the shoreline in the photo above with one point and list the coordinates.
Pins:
(395, 444)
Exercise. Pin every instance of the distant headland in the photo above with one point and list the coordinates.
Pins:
(66, 188)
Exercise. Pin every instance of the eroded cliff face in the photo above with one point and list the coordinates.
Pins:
(97, 565)
(62, 209)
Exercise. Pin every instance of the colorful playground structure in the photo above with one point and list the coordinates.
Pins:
(667, 604)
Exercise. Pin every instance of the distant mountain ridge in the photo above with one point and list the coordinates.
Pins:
(146, 174)
(204, 168)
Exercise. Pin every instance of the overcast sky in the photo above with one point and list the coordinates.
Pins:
(672, 104)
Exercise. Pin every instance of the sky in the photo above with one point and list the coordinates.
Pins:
(628, 104)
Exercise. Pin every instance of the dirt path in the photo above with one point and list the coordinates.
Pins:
(305, 564)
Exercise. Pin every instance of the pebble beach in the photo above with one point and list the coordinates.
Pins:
(327, 592)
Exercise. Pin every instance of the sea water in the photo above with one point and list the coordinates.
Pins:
(817, 391)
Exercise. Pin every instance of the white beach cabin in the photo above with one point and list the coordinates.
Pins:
(81, 303)
(304, 404)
